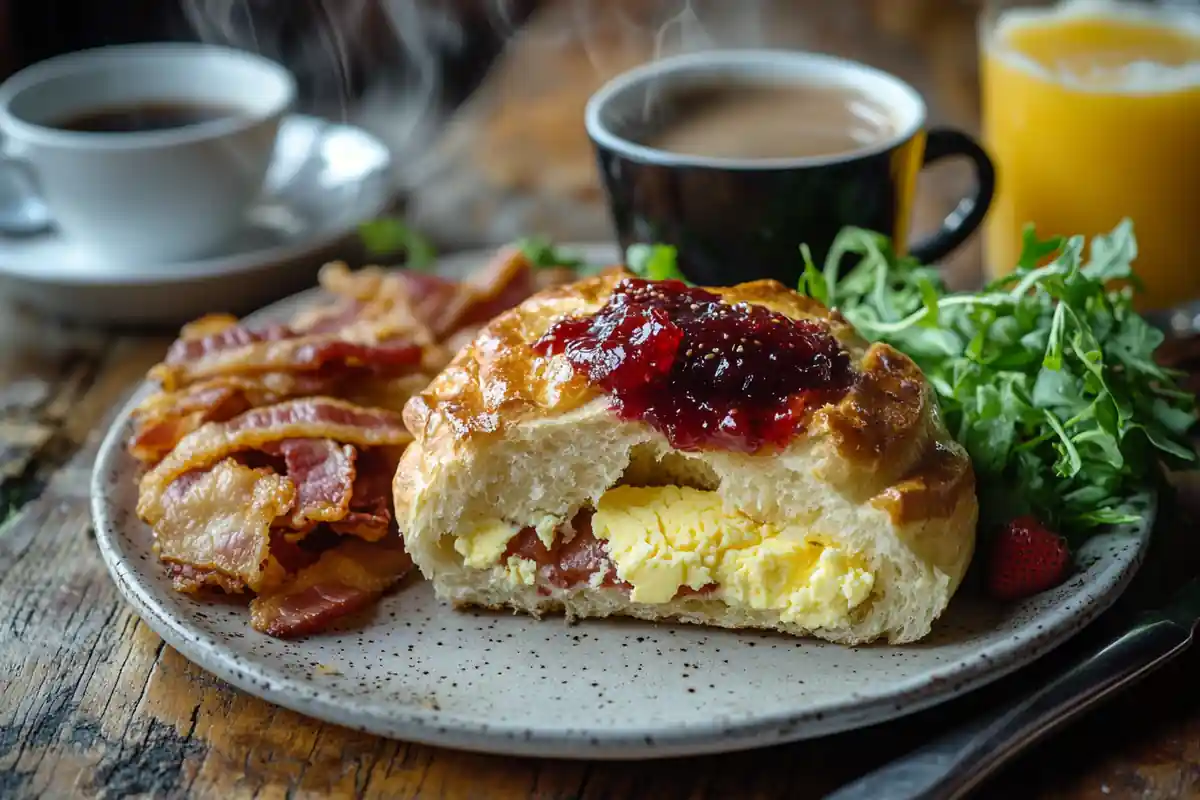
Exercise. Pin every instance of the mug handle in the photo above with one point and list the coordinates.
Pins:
(965, 218)
(23, 212)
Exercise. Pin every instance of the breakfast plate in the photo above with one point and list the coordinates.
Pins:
(325, 179)
(415, 669)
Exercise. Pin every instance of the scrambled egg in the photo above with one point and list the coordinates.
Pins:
(483, 546)
(663, 538)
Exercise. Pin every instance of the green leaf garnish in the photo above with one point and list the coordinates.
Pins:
(390, 237)
(655, 262)
(1046, 376)
(812, 282)
(542, 253)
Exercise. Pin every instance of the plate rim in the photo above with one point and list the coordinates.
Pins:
(221, 266)
(444, 729)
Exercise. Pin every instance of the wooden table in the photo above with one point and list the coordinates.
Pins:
(93, 704)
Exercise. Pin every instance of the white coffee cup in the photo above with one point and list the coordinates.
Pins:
(147, 196)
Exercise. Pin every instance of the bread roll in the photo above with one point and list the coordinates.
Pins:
(528, 487)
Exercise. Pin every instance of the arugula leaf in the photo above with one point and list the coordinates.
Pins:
(812, 282)
(655, 262)
(542, 253)
(389, 236)
(1046, 376)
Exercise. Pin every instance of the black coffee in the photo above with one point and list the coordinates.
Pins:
(144, 117)
(758, 120)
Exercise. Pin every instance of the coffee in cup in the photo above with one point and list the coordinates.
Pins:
(144, 154)
(744, 119)
(738, 157)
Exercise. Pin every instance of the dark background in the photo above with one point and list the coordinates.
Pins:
(32, 30)
(39, 29)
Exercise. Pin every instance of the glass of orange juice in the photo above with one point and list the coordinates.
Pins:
(1091, 112)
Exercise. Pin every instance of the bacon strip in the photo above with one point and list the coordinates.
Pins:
(568, 563)
(164, 418)
(220, 521)
(432, 299)
(362, 285)
(232, 337)
(345, 579)
(370, 514)
(218, 333)
(502, 284)
(323, 472)
(381, 333)
(305, 353)
(190, 580)
(239, 403)
(311, 417)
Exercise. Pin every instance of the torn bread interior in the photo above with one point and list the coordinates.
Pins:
(736, 457)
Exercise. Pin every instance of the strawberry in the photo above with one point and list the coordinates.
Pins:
(1026, 558)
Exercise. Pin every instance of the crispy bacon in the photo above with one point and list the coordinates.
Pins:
(218, 333)
(381, 333)
(363, 285)
(328, 318)
(219, 520)
(432, 299)
(310, 417)
(370, 515)
(207, 325)
(343, 580)
(391, 356)
(190, 580)
(323, 473)
(232, 337)
(502, 284)
(164, 418)
(292, 556)
(270, 459)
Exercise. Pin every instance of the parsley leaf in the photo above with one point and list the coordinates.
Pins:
(389, 236)
(1046, 376)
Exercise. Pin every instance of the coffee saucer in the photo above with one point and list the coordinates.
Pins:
(325, 179)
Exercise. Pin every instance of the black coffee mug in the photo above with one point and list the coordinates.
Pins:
(734, 220)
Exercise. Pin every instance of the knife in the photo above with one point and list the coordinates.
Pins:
(956, 763)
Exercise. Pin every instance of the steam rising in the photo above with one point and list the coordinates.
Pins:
(379, 63)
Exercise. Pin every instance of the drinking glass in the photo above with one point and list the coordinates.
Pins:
(1091, 112)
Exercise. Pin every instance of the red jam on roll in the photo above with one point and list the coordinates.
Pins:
(706, 374)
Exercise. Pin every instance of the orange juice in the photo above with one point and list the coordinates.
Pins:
(1092, 113)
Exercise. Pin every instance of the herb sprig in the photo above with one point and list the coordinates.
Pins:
(390, 236)
(1047, 376)
(544, 254)
(655, 262)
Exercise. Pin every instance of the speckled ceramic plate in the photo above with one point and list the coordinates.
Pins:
(415, 669)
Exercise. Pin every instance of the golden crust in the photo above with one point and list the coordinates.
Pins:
(877, 427)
